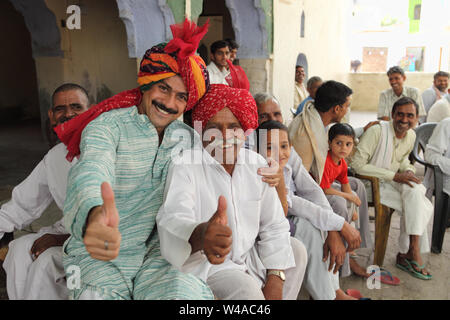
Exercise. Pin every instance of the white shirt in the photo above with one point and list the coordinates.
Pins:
(216, 76)
(437, 151)
(429, 97)
(260, 230)
(306, 199)
(388, 98)
(47, 182)
(440, 110)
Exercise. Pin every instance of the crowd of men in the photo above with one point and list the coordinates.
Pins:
(230, 203)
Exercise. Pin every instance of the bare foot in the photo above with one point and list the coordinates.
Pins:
(341, 295)
(355, 216)
(357, 269)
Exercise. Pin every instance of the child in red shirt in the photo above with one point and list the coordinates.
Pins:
(341, 140)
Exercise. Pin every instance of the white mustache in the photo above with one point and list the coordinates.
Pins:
(218, 142)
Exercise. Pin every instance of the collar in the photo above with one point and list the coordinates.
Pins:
(215, 69)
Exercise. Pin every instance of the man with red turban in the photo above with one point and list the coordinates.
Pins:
(116, 187)
(219, 220)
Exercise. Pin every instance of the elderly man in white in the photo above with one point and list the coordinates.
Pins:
(219, 220)
(33, 264)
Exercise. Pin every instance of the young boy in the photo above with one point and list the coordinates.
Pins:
(341, 140)
(273, 142)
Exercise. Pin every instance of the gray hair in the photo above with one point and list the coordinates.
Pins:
(312, 81)
(263, 97)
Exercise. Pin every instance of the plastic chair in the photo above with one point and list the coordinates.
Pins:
(441, 199)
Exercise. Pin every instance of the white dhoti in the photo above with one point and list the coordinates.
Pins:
(26, 279)
(415, 210)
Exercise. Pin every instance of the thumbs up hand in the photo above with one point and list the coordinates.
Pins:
(102, 237)
(217, 238)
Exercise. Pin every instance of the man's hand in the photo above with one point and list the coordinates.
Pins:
(406, 177)
(336, 248)
(353, 198)
(271, 175)
(371, 123)
(217, 237)
(102, 237)
(47, 241)
(352, 236)
(273, 289)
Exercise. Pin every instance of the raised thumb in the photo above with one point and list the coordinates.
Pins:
(221, 214)
(109, 206)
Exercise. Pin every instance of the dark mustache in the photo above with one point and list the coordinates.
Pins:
(163, 107)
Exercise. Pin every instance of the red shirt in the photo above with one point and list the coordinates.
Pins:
(333, 172)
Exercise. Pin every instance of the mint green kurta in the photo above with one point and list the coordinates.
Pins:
(121, 147)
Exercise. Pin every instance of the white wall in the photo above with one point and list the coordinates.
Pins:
(325, 43)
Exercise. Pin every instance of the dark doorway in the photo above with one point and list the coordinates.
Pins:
(220, 25)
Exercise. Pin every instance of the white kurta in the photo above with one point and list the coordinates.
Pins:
(307, 199)
(437, 152)
(216, 76)
(47, 182)
(261, 238)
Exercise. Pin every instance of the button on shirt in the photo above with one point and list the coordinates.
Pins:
(260, 231)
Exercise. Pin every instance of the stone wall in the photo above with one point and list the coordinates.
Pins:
(367, 87)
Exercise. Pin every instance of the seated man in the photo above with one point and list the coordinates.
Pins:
(219, 221)
(316, 223)
(440, 110)
(383, 152)
(311, 86)
(308, 134)
(437, 152)
(33, 264)
(388, 97)
(437, 91)
(116, 188)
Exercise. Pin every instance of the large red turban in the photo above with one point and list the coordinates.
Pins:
(219, 96)
(160, 62)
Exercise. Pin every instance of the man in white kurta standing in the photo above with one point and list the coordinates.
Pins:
(33, 264)
(218, 68)
(219, 220)
(300, 92)
(383, 152)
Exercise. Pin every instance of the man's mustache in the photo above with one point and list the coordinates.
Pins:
(163, 107)
(62, 120)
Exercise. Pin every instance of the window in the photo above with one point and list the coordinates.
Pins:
(302, 25)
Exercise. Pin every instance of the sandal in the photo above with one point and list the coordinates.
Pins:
(418, 273)
(387, 278)
(413, 271)
(355, 294)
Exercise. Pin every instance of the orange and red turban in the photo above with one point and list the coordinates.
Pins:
(160, 62)
(219, 96)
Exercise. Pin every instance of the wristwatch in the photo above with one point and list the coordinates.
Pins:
(278, 273)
